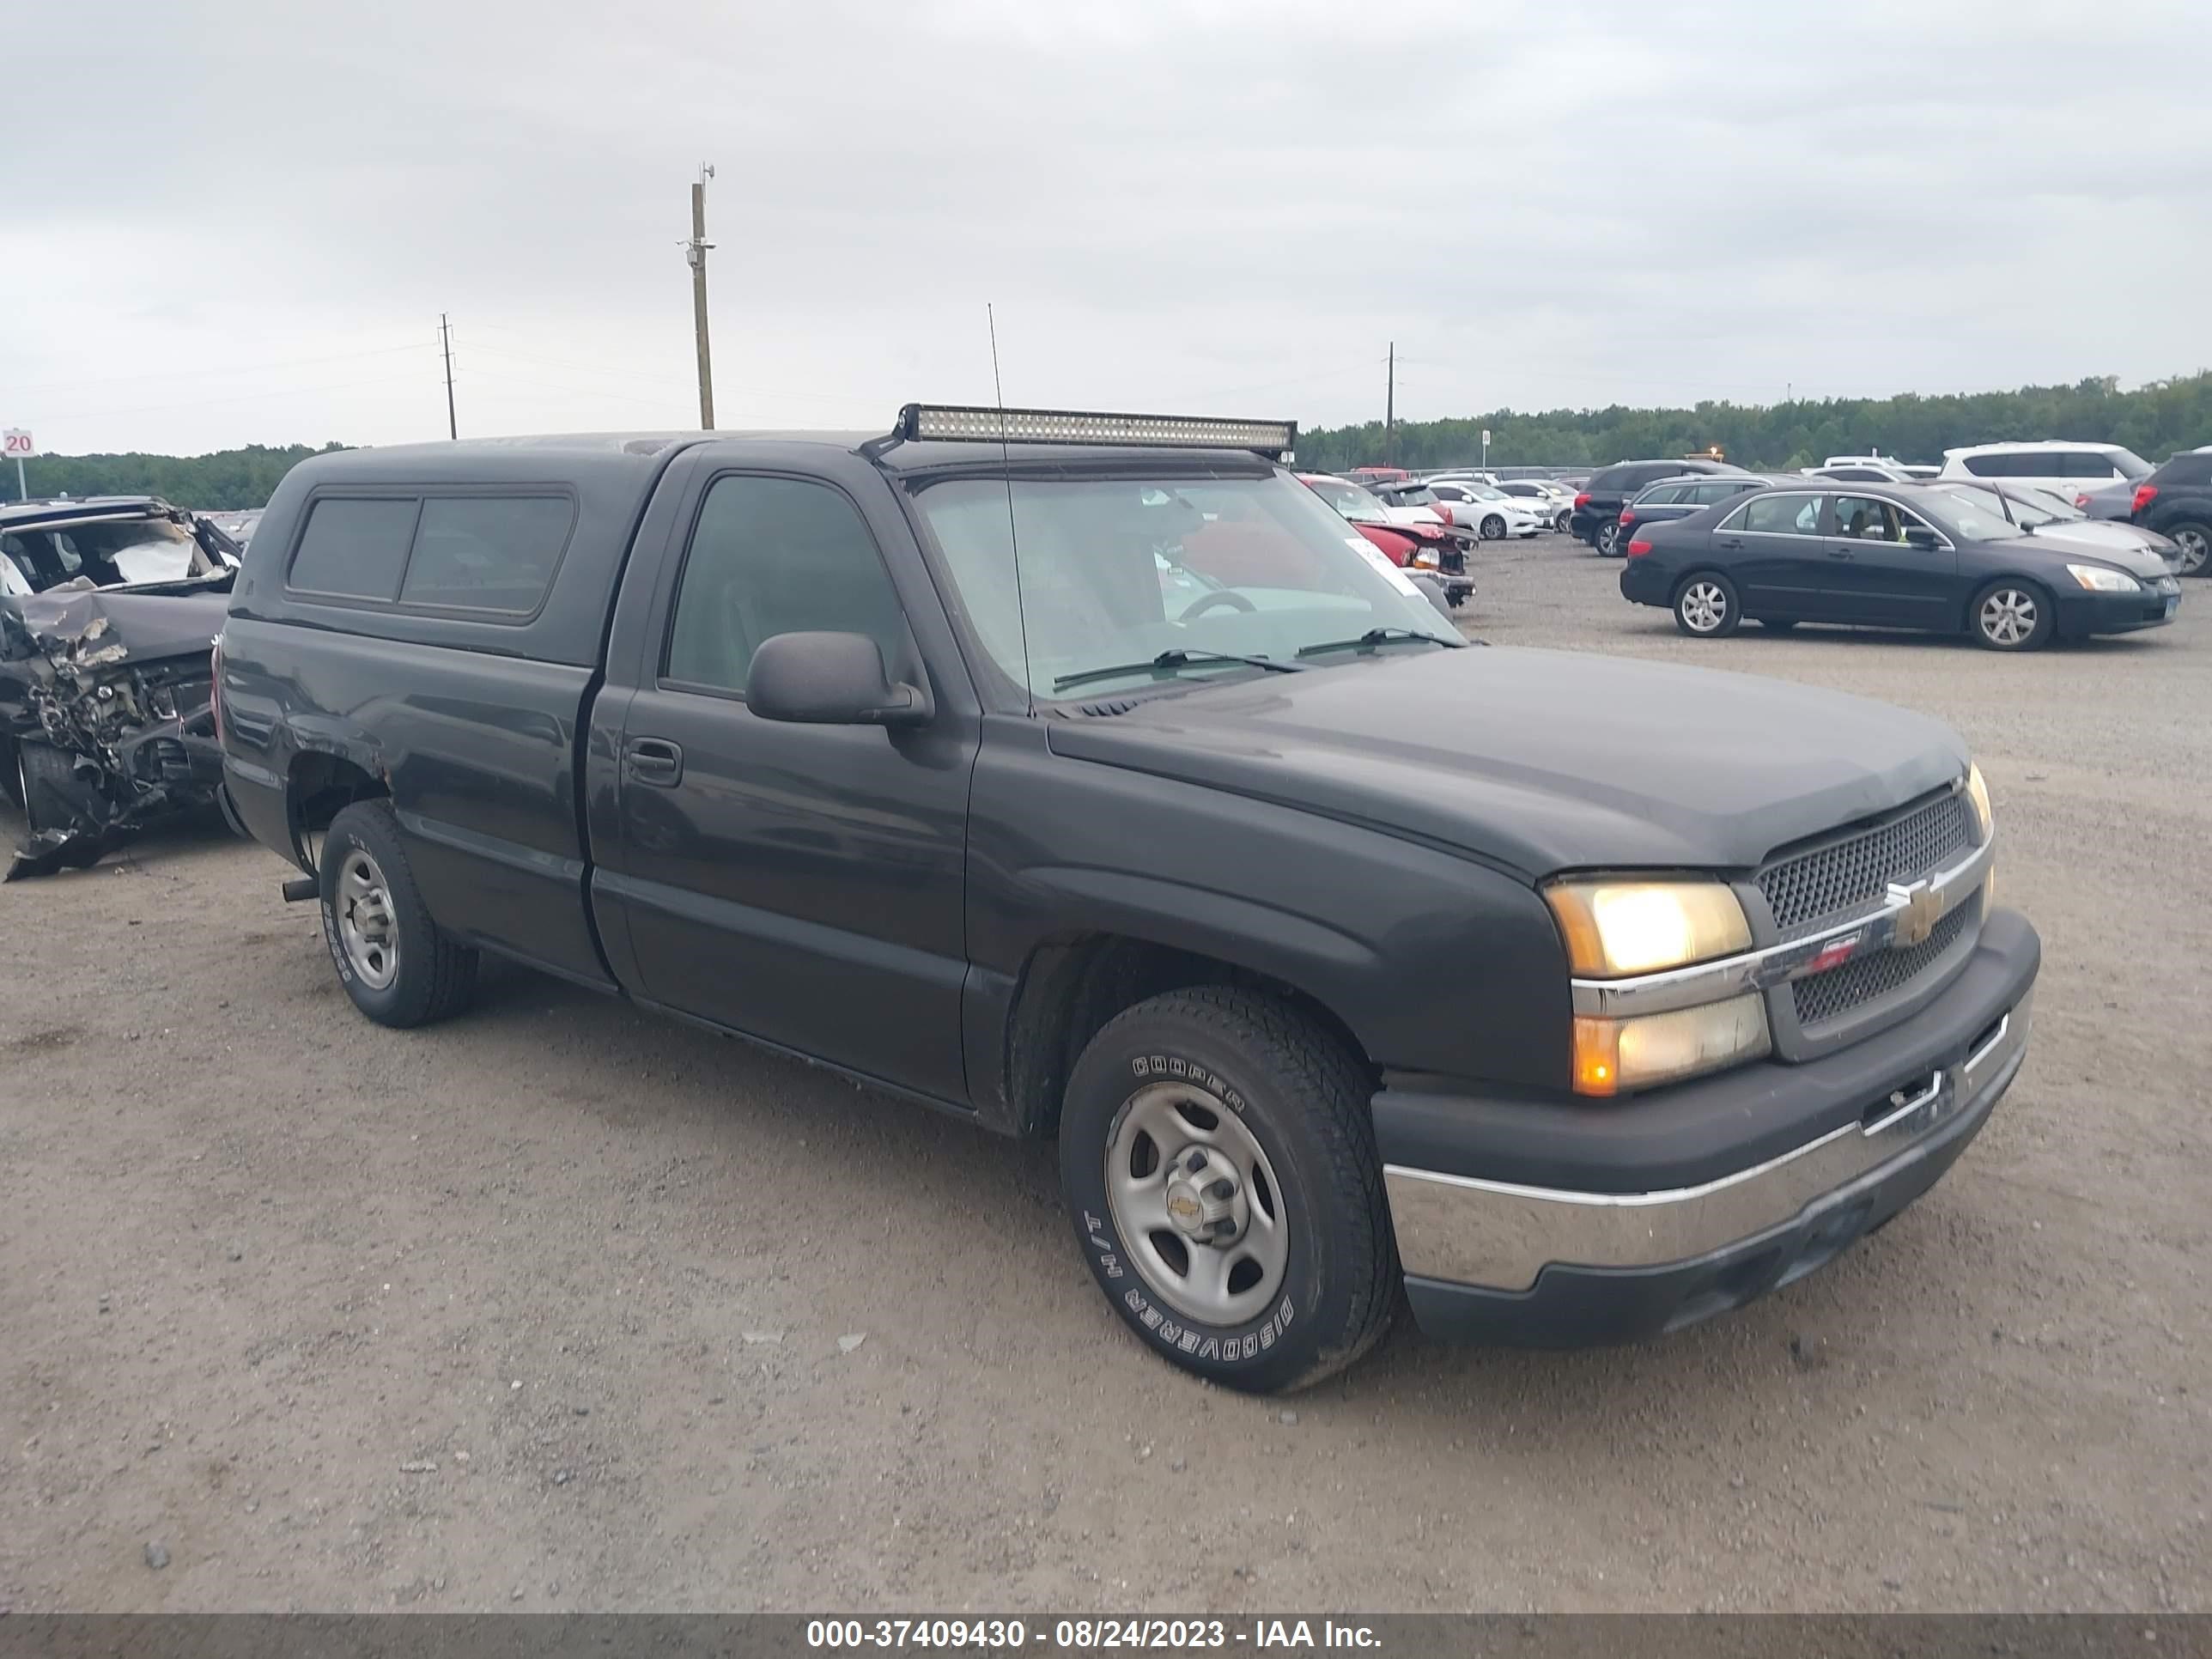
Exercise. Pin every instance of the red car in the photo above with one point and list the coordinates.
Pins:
(1437, 548)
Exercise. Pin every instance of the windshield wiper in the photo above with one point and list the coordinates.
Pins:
(1372, 637)
(1167, 662)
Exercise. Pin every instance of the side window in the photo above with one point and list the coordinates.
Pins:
(1705, 495)
(2086, 463)
(355, 548)
(1869, 519)
(487, 552)
(1783, 515)
(1660, 495)
(776, 555)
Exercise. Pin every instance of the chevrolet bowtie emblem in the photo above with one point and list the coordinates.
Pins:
(1923, 910)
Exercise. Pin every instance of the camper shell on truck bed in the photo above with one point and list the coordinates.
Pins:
(1081, 775)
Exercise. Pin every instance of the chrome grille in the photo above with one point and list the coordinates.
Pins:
(1865, 979)
(1854, 873)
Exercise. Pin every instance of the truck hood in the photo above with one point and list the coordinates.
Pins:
(1540, 761)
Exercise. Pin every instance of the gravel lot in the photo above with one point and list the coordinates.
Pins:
(556, 1306)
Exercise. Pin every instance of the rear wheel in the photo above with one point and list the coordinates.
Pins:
(1705, 606)
(1608, 539)
(1562, 524)
(2194, 538)
(1218, 1155)
(395, 963)
(11, 770)
(2011, 615)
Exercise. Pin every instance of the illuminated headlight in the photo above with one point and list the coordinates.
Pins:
(1612, 1055)
(1617, 928)
(2099, 580)
(1978, 796)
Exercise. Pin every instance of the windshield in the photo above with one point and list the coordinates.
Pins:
(1125, 571)
(2030, 508)
(1978, 516)
(1351, 500)
(111, 554)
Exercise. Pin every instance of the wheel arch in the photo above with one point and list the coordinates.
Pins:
(1073, 983)
(319, 785)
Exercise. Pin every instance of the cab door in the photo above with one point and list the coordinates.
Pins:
(800, 884)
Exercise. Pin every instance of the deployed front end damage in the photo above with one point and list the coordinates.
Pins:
(106, 701)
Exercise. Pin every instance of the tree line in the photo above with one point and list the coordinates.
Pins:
(227, 479)
(2155, 420)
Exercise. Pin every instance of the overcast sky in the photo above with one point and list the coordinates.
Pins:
(237, 220)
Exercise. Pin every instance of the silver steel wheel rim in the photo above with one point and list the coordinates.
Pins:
(2194, 545)
(1606, 538)
(2008, 616)
(366, 927)
(1705, 607)
(1196, 1204)
(1493, 528)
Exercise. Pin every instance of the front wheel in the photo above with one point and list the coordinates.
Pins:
(2011, 615)
(1219, 1159)
(1706, 607)
(2194, 541)
(1493, 528)
(1608, 539)
(397, 965)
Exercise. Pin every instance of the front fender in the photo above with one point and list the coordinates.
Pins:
(1434, 962)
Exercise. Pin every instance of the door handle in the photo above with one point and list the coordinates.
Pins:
(1841, 553)
(1733, 544)
(653, 760)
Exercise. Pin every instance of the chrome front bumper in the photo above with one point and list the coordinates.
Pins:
(1499, 1236)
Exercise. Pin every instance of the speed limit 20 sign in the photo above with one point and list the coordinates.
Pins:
(18, 443)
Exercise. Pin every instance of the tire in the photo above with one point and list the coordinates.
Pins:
(1706, 607)
(394, 962)
(2011, 615)
(2194, 537)
(11, 771)
(1493, 528)
(1560, 525)
(1276, 1110)
(1778, 624)
(43, 780)
(1608, 539)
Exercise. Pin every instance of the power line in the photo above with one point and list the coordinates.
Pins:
(233, 369)
(238, 398)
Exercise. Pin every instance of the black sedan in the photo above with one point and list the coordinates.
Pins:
(1947, 559)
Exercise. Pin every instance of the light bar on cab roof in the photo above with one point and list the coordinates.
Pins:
(919, 422)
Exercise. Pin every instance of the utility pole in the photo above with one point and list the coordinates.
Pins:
(445, 340)
(1390, 412)
(695, 252)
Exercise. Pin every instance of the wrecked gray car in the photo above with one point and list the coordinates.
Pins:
(109, 608)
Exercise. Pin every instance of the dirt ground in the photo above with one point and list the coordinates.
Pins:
(555, 1306)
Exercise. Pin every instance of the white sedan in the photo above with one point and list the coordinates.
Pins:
(1486, 510)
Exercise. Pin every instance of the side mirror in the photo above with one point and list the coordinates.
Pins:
(1920, 535)
(829, 679)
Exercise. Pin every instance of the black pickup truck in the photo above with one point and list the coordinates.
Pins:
(1100, 784)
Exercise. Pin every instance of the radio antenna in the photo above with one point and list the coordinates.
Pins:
(1013, 540)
